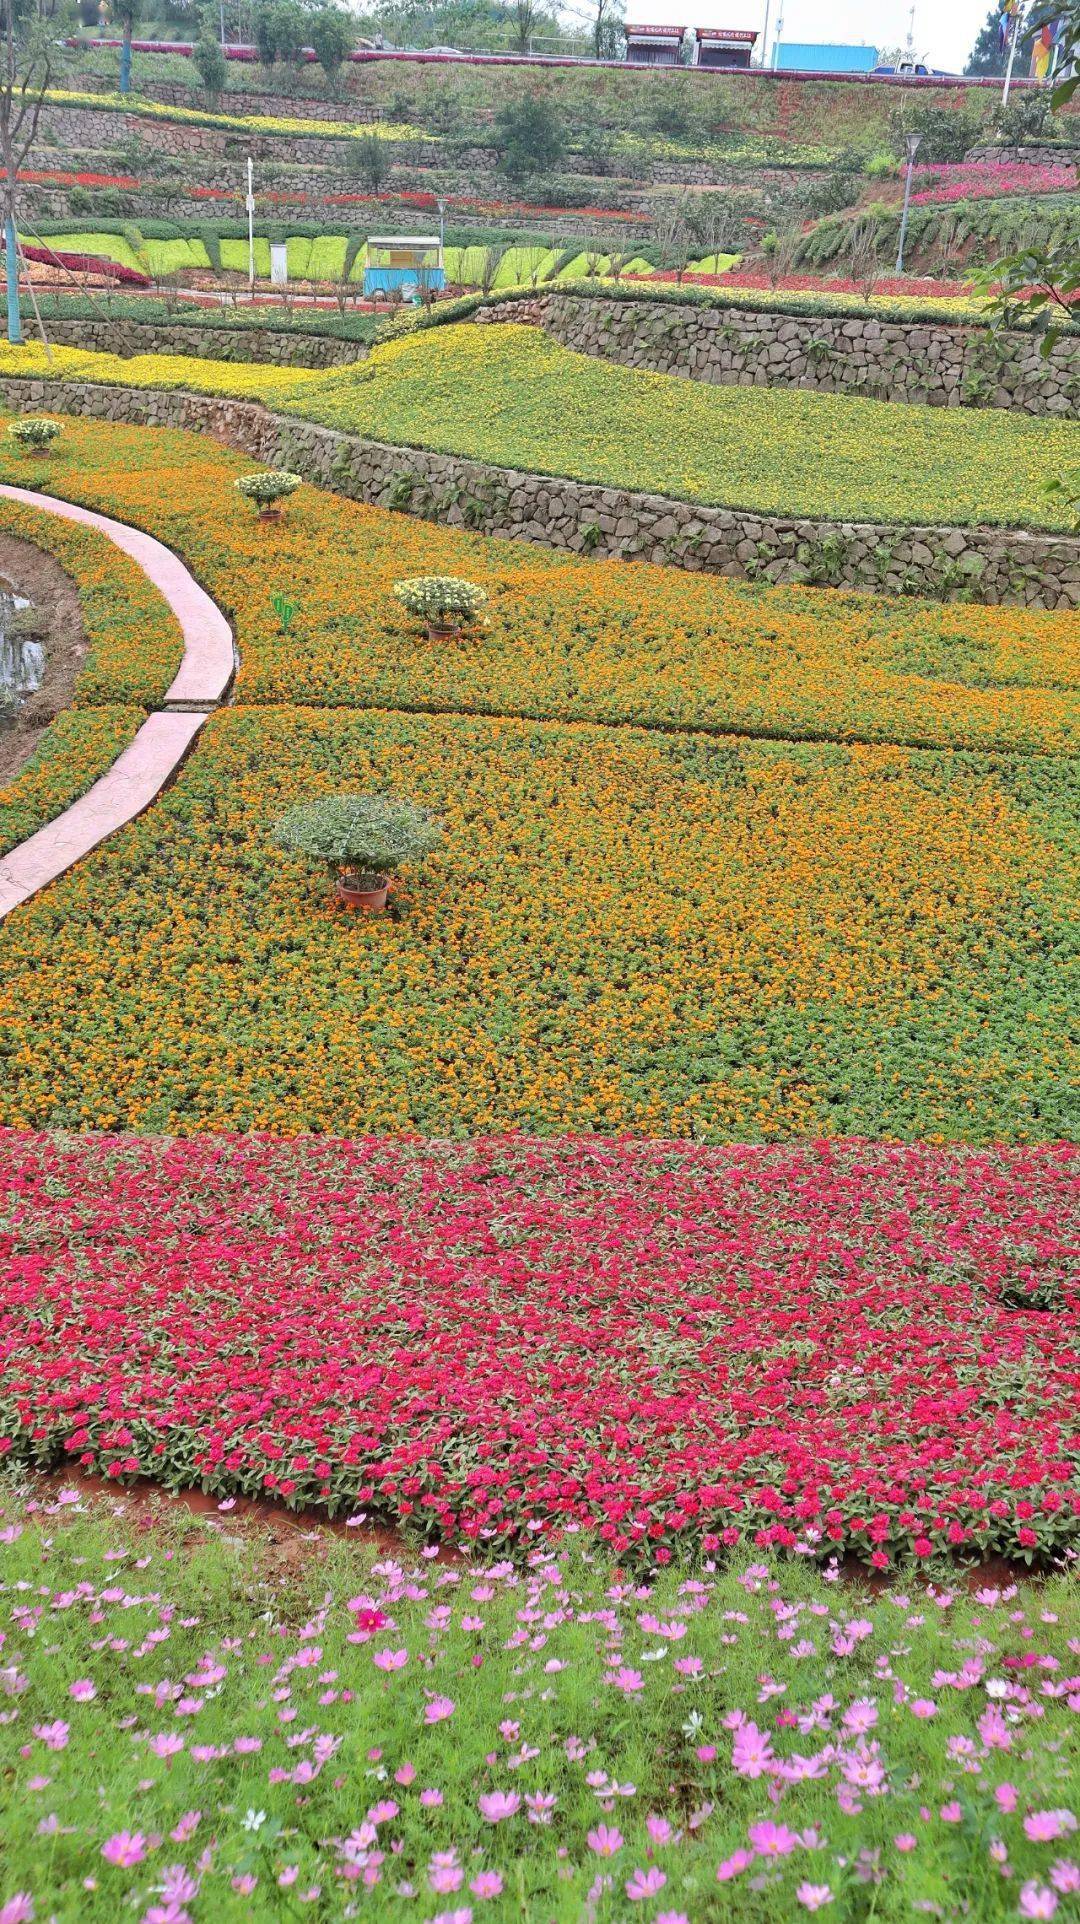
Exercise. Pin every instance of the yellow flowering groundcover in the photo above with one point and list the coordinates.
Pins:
(291, 124)
(512, 396)
(134, 647)
(621, 931)
(566, 638)
(658, 928)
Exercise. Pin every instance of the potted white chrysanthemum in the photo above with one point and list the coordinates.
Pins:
(442, 602)
(35, 431)
(268, 489)
(362, 839)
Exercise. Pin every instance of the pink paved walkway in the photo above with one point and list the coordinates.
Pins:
(141, 771)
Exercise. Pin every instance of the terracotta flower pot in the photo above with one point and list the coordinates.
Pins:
(443, 630)
(352, 896)
(271, 511)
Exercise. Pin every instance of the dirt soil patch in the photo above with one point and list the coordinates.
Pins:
(58, 622)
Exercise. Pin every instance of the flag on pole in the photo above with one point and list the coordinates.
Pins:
(1005, 24)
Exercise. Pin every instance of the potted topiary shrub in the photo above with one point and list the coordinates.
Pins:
(442, 602)
(268, 489)
(363, 839)
(35, 431)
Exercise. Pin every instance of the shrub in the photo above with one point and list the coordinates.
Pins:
(210, 65)
(270, 485)
(366, 837)
(528, 137)
(440, 598)
(34, 431)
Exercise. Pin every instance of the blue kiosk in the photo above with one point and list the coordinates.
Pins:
(406, 264)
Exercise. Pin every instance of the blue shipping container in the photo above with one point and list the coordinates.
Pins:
(795, 56)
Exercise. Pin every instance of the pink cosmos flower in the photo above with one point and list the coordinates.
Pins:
(1045, 1826)
(486, 1884)
(1037, 1900)
(734, 1865)
(645, 1884)
(772, 1840)
(605, 1840)
(952, 1812)
(904, 1841)
(751, 1752)
(495, 1805)
(924, 1707)
(628, 1681)
(54, 1736)
(82, 1690)
(18, 1909)
(125, 1848)
(438, 1710)
(390, 1659)
(1065, 1876)
(813, 1897)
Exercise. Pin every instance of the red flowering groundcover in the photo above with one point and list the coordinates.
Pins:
(848, 1344)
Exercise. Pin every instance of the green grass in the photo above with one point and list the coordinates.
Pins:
(512, 396)
(247, 1662)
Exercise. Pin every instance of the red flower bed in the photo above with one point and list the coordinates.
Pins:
(85, 264)
(987, 180)
(849, 1345)
(48, 176)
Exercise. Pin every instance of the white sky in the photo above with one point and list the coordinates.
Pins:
(945, 30)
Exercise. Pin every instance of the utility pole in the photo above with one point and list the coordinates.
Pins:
(251, 226)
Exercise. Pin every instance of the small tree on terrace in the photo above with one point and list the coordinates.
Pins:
(332, 36)
(209, 63)
(528, 137)
(31, 32)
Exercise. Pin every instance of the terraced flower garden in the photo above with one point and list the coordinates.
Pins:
(673, 1191)
(512, 396)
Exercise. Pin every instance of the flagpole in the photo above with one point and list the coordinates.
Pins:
(1012, 52)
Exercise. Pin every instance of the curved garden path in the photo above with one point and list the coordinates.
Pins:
(141, 771)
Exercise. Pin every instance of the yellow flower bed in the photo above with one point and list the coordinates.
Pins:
(564, 637)
(511, 396)
(652, 929)
(238, 123)
(620, 932)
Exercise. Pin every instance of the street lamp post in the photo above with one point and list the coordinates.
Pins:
(912, 143)
(251, 225)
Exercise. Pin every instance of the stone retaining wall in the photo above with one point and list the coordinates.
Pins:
(985, 564)
(933, 363)
(1049, 156)
(284, 348)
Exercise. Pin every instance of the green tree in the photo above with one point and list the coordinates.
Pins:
(988, 56)
(333, 34)
(366, 158)
(528, 137)
(281, 30)
(209, 62)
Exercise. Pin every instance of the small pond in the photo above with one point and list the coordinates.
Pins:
(22, 652)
